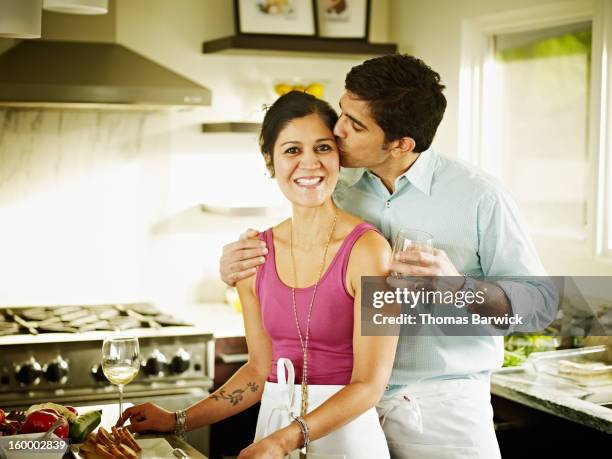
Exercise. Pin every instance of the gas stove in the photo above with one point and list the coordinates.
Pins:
(53, 353)
(79, 319)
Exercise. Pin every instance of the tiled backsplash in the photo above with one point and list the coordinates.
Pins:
(95, 206)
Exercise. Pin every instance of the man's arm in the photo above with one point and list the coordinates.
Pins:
(505, 251)
(240, 259)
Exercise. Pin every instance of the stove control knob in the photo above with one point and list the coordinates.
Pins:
(156, 364)
(28, 372)
(98, 374)
(57, 370)
(180, 362)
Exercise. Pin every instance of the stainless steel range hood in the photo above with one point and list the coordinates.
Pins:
(80, 74)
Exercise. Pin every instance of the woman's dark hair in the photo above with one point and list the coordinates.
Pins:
(404, 95)
(290, 106)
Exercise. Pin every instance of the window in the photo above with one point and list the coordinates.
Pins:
(541, 116)
(535, 109)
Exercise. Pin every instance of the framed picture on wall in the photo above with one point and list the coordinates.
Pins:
(343, 18)
(279, 17)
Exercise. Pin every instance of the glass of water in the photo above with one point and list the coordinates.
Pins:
(408, 239)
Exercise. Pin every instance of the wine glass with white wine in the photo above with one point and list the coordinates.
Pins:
(120, 362)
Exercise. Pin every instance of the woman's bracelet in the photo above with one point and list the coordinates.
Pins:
(180, 428)
(305, 430)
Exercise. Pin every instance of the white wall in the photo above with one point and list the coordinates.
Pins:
(79, 193)
(78, 27)
(172, 33)
(99, 206)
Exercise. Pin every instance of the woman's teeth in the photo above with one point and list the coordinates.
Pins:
(308, 182)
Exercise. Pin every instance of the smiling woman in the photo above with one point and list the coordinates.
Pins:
(318, 340)
(302, 310)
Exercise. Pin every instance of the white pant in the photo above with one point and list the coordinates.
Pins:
(450, 419)
(361, 438)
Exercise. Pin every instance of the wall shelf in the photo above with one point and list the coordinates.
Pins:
(231, 127)
(242, 211)
(243, 43)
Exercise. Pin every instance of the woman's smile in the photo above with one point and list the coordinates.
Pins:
(309, 182)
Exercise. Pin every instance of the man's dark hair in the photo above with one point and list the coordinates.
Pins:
(290, 106)
(404, 95)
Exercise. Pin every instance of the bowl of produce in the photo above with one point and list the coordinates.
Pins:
(518, 347)
(22, 432)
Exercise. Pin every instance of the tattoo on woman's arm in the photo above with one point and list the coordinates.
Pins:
(235, 396)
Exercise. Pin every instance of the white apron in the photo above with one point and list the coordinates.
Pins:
(361, 438)
(451, 419)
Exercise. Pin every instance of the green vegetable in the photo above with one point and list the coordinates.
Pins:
(514, 359)
(518, 347)
(84, 425)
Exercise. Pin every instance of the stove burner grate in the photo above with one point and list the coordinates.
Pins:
(73, 319)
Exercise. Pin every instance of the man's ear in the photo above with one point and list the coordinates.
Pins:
(402, 146)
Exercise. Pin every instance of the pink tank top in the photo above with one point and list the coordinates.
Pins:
(330, 348)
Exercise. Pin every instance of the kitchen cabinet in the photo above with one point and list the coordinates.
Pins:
(245, 43)
(543, 413)
(233, 434)
(523, 431)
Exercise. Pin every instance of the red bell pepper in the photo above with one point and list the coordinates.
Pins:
(41, 421)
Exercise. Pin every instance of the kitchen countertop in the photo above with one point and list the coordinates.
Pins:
(552, 396)
(110, 413)
(220, 319)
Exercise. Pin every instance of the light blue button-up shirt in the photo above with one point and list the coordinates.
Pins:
(475, 221)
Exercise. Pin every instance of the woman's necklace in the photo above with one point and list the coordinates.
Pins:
(304, 340)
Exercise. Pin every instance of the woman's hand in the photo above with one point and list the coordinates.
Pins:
(267, 448)
(148, 417)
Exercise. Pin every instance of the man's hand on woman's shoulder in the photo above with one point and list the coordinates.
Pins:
(240, 259)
